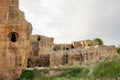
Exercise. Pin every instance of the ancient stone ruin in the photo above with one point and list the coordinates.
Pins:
(14, 39)
(40, 47)
(82, 52)
(81, 56)
(19, 49)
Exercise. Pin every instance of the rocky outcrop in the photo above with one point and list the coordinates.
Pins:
(74, 45)
(83, 43)
(15, 33)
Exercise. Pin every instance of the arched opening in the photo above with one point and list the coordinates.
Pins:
(67, 48)
(13, 36)
(72, 47)
(40, 65)
(28, 66)
(39, 38)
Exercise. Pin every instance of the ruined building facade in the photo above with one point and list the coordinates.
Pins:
(40, 48)
(40, 45)
(15, 34)
(81, 56)
(82, 52)
(20, 49)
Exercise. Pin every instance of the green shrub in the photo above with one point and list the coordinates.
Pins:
(98, 40)
(118, 49)
(27, 75)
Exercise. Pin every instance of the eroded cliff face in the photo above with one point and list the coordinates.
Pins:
(40, 48)
(15, 32)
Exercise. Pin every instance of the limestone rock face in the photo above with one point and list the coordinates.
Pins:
(83, 43)
(41, 61)
(14, 39)
(40, 45)
(80, 56)
(44, 53)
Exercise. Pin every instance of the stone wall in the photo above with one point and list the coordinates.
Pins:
(42, 61)
(76, 53)
(15, 33)
(78, 56)
(19, 49)
(82, 56)
(59, 47)
(40, 45)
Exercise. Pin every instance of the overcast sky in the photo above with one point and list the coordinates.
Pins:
(74, 20)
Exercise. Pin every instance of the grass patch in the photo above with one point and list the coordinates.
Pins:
(110, 68)
(74, 74)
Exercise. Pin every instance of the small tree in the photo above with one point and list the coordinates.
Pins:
(118, 49)
(98, 40)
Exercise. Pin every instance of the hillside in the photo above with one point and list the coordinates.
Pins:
(107, 69)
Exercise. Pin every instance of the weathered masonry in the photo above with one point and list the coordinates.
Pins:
(83, 52)
(40, 47)
(15, 33)
(19, 49)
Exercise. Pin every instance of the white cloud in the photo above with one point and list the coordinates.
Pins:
(70, 20)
